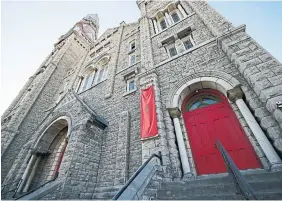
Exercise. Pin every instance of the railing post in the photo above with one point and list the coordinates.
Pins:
(236, 175)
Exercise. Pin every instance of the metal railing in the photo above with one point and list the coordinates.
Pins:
(3, 193)
(159, 156)
(242, 185)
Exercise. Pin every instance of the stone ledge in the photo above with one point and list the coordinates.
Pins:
(185, 52)
(129, 92)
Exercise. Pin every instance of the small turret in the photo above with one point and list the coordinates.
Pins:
(88, 27)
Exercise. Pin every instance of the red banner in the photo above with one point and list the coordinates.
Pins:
(148, 114)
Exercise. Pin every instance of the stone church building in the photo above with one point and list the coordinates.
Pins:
(75, 127)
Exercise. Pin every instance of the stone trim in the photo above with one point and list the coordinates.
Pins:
(129, 92)
(112, 75)
(205, 79)
(129, 67)
(123, 144)
(235, 94)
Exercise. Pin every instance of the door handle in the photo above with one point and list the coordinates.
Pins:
(215, 146)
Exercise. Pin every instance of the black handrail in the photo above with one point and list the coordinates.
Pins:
(236, 175)
(136, 173)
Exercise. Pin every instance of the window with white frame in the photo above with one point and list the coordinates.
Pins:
(130, 85)
(171, 14)
(132, 59)
(171, 50)
(188, 42)
(173, 47)
(132, 46)
(93, 76)
(175, 17)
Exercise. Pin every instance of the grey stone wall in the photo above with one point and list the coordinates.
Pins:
(97, 158)
(42, 97)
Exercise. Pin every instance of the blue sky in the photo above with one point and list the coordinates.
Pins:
(29, 30)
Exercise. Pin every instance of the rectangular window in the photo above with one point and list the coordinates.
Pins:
(131, 85)
(188, 44)
(175, 17)
(132, 46)
(163, 24)
(132, 59)
(172, 51)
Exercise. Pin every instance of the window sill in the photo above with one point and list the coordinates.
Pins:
(173, 25)
(129, 67)
(92, 87)
(131, 51)
(130, 92)
(184, 52)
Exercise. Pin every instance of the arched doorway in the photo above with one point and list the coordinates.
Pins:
(208, 115)
(46, 159)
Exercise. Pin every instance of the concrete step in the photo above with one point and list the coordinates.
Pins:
(260, 196)
(108, 189)
(229, 196)
(104, 196)
(255, 184)
(277, 195)
(266, 185)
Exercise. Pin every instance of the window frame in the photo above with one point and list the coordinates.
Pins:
(170, 46)
(130, 45)
(129, 80)
(130, 59)
(173, 13)
(190, 38)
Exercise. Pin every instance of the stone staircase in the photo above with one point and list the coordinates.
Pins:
(266, 185)
(105, 193)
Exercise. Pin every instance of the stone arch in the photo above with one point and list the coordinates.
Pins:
(48, 134)
(47, 154)
(202, 80)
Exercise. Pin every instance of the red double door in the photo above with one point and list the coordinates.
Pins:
(213, 121)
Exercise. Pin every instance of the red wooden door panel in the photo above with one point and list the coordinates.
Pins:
(218, 120)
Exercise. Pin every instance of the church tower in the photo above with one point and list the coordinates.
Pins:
(45, 88)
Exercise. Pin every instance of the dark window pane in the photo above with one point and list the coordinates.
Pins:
(172, 51)
(163, 24)
(175, 17)
(188, 44)
(132, 46)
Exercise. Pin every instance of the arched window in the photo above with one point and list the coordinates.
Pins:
(86, 79)
(93, 75)
(201, 101)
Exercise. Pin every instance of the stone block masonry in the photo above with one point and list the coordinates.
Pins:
(104, 157)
